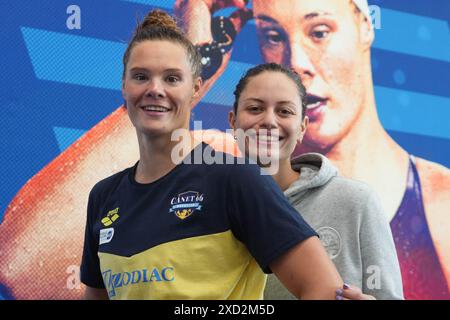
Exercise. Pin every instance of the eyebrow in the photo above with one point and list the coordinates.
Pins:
(307, 17)
(166, 70)
(254, 99)
(262, 101)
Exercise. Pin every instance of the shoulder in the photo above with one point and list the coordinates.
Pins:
(356, 200)
(435, 181)
(226, 163)
(108, 185)
(351, 190)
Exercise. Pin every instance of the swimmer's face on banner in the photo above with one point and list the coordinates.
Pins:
(328, 44)
(158, 87)
(270, 104)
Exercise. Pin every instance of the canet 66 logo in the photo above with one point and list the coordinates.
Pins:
(186, 203)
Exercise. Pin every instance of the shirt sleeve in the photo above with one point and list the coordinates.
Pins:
(381, 270)
(90, 265)
(261, 217)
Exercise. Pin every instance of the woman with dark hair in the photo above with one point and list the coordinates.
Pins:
(270, 100)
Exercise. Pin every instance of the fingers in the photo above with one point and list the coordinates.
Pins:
(220, 4)
(195, 16)
(349, 292)
(240, 17)
(213, 5)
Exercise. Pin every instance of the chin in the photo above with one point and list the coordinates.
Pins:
(154, 132)
(317, 143)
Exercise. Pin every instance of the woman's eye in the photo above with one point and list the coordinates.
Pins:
(320, 32)
(254, 109)
(139, 77)
(286, 111)
(274, 37)
(173, 79)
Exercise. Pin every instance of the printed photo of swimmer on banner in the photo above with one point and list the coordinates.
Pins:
(376, 75)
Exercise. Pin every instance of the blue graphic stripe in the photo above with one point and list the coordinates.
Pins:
(435, 8)
(165, 4)
(222, 91)
(413, 112)
(84, 66)
(75, 59)
(66, 136)
(412, 34)
(406, 72)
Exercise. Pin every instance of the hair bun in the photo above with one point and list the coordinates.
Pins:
(159, 18)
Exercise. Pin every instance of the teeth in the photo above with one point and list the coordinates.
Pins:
(313, 105)
(156, 108)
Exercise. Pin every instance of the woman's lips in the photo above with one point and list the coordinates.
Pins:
(156, 111)
(316, 107)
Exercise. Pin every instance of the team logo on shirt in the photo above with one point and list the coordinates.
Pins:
(186, 203)
(331, 240)
(111, 216)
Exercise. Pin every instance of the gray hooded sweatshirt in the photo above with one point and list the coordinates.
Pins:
(352, 226)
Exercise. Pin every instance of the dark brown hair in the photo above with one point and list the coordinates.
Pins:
(272, 67)
(159, 25)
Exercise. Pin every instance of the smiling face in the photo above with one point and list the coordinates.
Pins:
(328, 44)
(158, 87)
(270, 104)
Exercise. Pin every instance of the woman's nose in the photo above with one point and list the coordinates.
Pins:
(155, 89)
(269, 120)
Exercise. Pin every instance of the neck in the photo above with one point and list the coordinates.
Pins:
(367, 144)
(156, 156)
(285, 176)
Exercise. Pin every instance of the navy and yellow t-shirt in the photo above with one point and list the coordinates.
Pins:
(202, 231)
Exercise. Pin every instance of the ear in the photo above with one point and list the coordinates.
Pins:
(303, 127)
(196, 90)
(124, 94)
(366, 33)
(232, 119)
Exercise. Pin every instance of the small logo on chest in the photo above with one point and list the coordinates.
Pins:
(112, 216)
(186, 203)
(106, 235)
